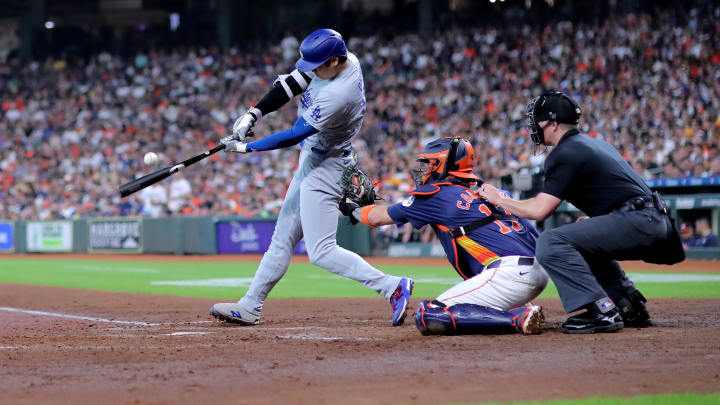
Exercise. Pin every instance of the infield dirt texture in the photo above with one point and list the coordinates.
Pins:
(154, 349)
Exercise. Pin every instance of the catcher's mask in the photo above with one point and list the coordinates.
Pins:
(550, 106)
(452, 156)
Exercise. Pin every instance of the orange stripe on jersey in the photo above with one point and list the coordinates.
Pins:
(476, 250)
(457, 258)
(457, 266)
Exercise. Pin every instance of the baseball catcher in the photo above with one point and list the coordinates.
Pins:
(492, 250)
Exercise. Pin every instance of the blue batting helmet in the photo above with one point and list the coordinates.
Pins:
(318, 47)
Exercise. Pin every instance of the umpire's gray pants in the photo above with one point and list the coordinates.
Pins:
(580, 258)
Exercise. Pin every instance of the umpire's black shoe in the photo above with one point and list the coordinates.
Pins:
(633, 310)
(601, 316)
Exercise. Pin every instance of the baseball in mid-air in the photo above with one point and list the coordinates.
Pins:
(151, 158)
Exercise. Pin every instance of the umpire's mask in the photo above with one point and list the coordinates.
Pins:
(550, 106)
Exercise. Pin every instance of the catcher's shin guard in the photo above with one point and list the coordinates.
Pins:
(434, 318)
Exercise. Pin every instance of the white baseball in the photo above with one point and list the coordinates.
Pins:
(151, 158)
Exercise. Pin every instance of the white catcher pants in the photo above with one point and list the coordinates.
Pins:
(310, 209)
(507, 286)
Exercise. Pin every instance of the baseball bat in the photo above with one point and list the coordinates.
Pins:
(158, 175)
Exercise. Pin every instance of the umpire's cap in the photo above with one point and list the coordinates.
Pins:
(556, 106)
(318, 47)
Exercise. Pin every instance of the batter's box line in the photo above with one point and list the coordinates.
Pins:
(78, 317)
(324, 338)
(279, 328)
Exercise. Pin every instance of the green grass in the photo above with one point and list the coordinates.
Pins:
(302, 280)
(664, 399)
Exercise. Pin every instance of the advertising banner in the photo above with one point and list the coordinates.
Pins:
(248, 237)
(115, 235)
(7, 237)
(49, 236)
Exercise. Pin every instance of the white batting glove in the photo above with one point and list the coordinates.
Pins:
(244, 124)
(235, 146)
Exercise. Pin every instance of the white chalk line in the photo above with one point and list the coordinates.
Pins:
(185, 333)
(301, 336)
(252, 328)
(170, 324)
(79, 317)
(322, 338)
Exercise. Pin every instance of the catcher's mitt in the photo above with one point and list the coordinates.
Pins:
(357, 187)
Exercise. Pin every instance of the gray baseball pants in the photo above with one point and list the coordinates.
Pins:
(310, 209)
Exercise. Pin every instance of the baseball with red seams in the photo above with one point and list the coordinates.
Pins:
(151, 158)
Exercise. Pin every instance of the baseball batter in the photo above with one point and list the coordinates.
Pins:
(330, 114)
(490, 248)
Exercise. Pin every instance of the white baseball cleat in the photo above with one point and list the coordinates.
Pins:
(232, 312)
(533, 320)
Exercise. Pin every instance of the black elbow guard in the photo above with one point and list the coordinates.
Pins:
(284, 88)
(294, 83)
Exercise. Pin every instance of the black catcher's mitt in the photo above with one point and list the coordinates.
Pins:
(357, 187)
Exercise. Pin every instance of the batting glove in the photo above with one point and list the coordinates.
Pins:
(243, 125)
(235, 146)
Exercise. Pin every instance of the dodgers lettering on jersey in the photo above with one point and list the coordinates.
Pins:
(453, 206)
(335, 107)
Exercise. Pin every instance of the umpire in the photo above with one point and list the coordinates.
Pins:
(626, 220)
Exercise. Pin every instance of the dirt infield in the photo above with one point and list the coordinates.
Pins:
(326, 352)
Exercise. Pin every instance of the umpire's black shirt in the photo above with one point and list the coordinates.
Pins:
(591, 175)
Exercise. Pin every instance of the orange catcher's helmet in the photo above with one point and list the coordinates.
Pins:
(451, 156)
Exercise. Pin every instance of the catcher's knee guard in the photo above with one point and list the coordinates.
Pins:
(435, 318)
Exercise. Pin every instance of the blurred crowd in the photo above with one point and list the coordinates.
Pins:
(699, 234)
(72, 131)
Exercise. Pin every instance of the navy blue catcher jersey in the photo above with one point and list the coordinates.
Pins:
(447, 206)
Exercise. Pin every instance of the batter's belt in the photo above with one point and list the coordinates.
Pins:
(331, 152)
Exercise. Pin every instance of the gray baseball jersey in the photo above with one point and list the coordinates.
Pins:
(310, 209)
(335, 107)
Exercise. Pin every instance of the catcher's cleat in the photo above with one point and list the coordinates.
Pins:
(232, 312)
(531, 321)
(399, 300)
(601, 316)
